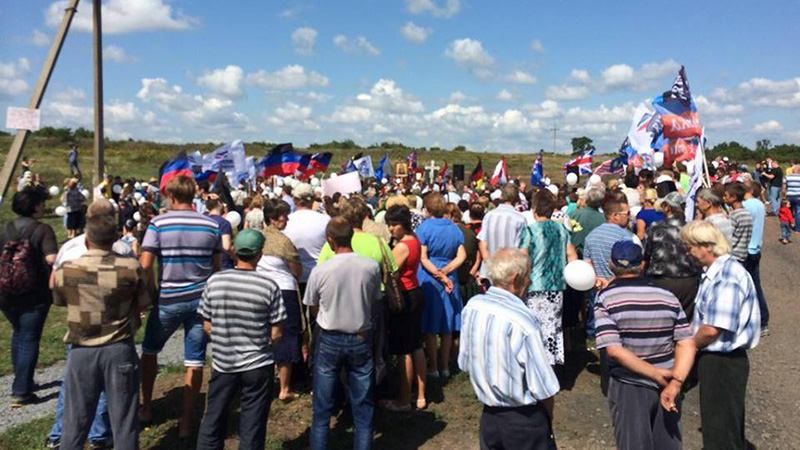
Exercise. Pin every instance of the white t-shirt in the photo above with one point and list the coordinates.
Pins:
(306, 229)
(76, 247)
(278, 271)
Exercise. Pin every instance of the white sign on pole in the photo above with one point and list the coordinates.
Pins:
(23, 118)
(343, 184)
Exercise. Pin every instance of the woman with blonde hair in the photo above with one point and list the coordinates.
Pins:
(648, 214)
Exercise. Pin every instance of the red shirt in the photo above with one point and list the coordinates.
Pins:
(785, 215)
(408, 271)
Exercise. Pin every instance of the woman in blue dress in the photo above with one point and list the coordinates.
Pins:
(442, 254)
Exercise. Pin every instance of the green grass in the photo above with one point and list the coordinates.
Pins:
(51, 348)
(27, 436)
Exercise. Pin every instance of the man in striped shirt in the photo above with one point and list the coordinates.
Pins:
(187, 245)
(792, 186)
(650, 349)
(502, 227)
(502, 351)
(242, 310)
(741, 220)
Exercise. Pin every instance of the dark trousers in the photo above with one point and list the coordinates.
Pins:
(753, 265)
(516, 428)
(27, 324)
(723, 385)
(91, 370)
(256, 396)
(639, 420)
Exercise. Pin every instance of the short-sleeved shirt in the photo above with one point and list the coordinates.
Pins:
(502, 227)
(597, 247)
(225, 228)
(588, 219)
(306, 229)
(742, 223)
(665, 252)
(442, 238)
(637, 315)
(364, 244)
(723, 223)
(649, 216)
(727, 300)
(43, 241)
(546, 243)
(101, 291)
(345, 287)
(792, 184)
(76, 247)
(241, 306)
(277, 254)
(777, 181)
(471, 248)
(185, 243)
(757, 211)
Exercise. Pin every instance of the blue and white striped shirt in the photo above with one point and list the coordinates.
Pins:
(502, 227)
(792, 182)
(599, 242)
(502, 351)
(727, 300)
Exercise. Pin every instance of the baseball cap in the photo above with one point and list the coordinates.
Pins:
(248, 242)
(303, 190)
(626, 254)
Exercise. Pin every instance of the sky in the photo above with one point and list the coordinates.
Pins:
(493, 76)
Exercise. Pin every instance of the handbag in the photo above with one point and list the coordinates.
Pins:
(390, 282)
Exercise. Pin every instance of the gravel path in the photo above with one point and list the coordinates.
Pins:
(49, 380)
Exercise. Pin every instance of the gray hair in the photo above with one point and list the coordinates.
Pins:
(254, 219)
(506, 265)
(709, 196)
(594, 197)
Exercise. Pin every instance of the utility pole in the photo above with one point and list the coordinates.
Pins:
(15, 152)
(99, 141)
(554, 130)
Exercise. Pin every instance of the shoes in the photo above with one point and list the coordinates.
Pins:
(445, 374)
(433, 374)
(100, 445)
(391, 405)
(52, 443)
(764, 331)
(19, 402)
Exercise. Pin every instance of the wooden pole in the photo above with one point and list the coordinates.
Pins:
(15, 152)
(99, 141)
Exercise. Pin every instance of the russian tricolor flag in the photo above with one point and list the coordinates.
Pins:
(171, 169)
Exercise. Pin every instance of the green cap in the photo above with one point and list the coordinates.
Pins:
(248, 242)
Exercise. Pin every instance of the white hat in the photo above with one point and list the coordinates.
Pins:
(302, 190)
(496, 194)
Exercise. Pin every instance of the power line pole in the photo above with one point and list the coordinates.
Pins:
(15, 152)
(99, 141)
(554, 130)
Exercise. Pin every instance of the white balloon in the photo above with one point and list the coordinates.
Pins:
(572, 178)
(579, 275)
(552, 188)
(384, 181)
(546, 180)
(137, 216)
(137, 196)
(85, 193)
(234, 218)
(137, 185)
(53, 191)
(61, 210)
(142, 201)
(595, 179)
(314, 181)
(658, 159)
(116, 189)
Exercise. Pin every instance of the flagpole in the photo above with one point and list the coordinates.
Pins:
(707, 177)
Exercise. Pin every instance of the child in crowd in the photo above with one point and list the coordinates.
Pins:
(787, 222)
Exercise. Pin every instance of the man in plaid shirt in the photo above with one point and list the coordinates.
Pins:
(727, 322)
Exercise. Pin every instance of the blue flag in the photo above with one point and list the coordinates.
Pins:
(537, 172)
(379, 171)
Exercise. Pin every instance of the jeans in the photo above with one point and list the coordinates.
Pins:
(100, 430)
(794, 204)
(775, 198)
(351, 352)
(27, 324)
(255, 387)
(590, 299)
(786, 231)
(753, 266)
(164, 320)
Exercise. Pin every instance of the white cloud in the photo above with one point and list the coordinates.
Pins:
(457, 97)
(287, 78)
(227, 81)
(314, 96)
(567, 92)
(724, 124)
(469, 53)
(457, 116)
(712, 108)
(40, 39)
(771, 93)
(358, 45)
(386, 96)
(444, 8)
(124, 16)
(623, 76)
(351, 114)
(415, 33)
(521, 77)
(304, 39)
(548, 109)
(116, 54)
(514, 122)
(293, 116)
(580, 75)
(168, 98)
(380, 129)
(770, 126)
(11, 77)
(504, 96)
(536, 45)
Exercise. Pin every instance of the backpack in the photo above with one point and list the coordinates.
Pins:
(18, 262)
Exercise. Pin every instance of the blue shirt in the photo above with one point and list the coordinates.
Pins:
(727, 300)
(502, 351)
(598, 246)
(756, 209)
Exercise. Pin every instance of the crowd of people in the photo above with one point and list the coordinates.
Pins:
(298, 291)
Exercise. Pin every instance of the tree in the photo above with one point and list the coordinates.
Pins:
(580, 144)
(763, 145)
(459, 148)
(83, 133)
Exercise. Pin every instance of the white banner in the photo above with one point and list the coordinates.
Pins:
(343, 184)
(23, 118)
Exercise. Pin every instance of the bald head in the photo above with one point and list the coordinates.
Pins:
(101, 207)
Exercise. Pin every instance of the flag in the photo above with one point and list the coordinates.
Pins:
(412, 161)
(610, 167)
(283, 161)
(381, 169)
(680, 122)
(364, 166)
(229, 158)
(477, 172)
(696, 181)
(500, 175)
(318, 162)
(583, 162)
(443, 170)
(178, 166)
(222, 188)
(207, 175)
(537, 172)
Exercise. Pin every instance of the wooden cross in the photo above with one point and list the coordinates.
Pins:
(432, 170)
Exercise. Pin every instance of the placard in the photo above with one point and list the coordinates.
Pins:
(343, 184)
(23, 118)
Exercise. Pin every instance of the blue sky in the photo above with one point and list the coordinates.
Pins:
(489, 75)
